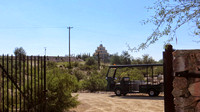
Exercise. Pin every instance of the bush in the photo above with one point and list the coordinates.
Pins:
(60, 85)
(51, 65)
(90, 61)
(95, 82)
(79, 74)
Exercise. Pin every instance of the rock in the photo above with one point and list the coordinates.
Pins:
(179, 64)
(186, 60)
(177, 109)
(180, 83)
(193, 80)
(197, 109)
(194, 89)
(180, 93)
(186, 102)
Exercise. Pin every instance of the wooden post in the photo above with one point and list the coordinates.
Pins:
(168, 79)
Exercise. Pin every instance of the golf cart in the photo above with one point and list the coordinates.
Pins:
(125, 85)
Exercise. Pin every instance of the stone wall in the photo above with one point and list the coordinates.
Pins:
(186, 83)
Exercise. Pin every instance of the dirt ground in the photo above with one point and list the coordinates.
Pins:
(108, 102)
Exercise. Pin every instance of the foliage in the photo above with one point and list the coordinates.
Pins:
(19, 51)
(90, 61)
(133, 73)
(125, 58)
(78, 74)
(60, 84)
(83, 56)
(51, 65)
(88, 68)
(115, 59)
(95, 82)
(171, 15)
(146, 59)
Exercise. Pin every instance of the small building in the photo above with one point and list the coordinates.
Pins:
(103, 54)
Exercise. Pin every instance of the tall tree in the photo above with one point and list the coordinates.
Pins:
(147, 59)
(19, 51)
(115, 59)
(126, 58)
(170, 15)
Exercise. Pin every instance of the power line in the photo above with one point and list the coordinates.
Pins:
(32, 27)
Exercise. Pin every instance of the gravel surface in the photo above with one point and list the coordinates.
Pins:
(108, 102)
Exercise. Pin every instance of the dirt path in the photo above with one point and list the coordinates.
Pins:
(108, 102)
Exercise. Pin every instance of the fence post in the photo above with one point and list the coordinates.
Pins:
(0, 90)
(168, 79)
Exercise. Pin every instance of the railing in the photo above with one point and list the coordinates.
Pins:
(23, 83)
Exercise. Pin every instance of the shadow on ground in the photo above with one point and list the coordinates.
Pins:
(141, 96)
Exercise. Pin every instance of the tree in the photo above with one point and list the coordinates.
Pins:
(90, 61)
(125, 58)
(60, 85)
(170, 15)
(115, 59)
(19, 51)
(147, 59)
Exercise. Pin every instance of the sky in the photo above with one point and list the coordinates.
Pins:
(39, 24)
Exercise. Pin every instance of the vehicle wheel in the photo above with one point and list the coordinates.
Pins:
(157, 93)
(152, 92)
(124, 94)
(118, 92)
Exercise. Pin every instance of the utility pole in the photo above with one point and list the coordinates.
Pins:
(45, 50)
(98, 60)
(69, 46)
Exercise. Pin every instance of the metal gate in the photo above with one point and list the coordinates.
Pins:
(23, 83)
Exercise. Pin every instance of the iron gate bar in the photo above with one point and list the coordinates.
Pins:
(3, 81)
(45, 84)
(28, 82)
(12, 80)
(34, 83)
(24, 82)
(31, 80)
(38, 80)
(7, 86)
(20, 101)
(16, 81)
(12, 83)
(41, 82)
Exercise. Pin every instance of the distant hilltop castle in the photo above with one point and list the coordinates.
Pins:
(103, 54)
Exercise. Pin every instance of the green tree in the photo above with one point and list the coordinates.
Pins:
(60, 85)
(19, 51)
(115, 59)
(90, 61)
(95, 82)
(171, 15)
(147, 59)
(85, 56)
(125, 58)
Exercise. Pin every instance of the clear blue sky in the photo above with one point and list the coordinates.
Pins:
(35, 24)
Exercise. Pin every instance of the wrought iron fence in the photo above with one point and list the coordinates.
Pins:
(23, 83)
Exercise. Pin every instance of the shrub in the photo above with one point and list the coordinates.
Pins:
(51, 65)
(95, 82)
(78, 73)
(60, 85)
(90, 61)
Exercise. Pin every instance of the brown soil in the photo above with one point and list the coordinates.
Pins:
(108, 102)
